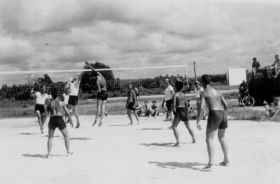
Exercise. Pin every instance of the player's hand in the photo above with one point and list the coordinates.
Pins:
(71, 123)
(199, 126)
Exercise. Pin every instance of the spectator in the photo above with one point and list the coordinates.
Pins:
(154, 109)
(276, 65)
(255, 66)
(147, 109)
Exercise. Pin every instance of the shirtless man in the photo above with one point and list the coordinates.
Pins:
(217, 120)
(102, 94)
(131, 104)
(57, 108)
(181, 112)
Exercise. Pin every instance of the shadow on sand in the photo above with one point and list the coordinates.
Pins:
(174, 165)
(41, 155)
(157, 144)
(119, 125)
(27, 133)
(35, 155)
(80, 138)
(152, 129)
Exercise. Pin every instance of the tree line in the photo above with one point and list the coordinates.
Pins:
(116, 87)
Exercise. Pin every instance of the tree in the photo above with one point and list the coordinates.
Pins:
(88, 81)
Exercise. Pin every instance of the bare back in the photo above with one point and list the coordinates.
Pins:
(214, 99)
(101, 82)
(57, 108)
(181, 100)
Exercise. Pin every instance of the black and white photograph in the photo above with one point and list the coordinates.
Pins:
(139, 91)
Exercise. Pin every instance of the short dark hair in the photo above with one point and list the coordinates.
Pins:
(54, 92)
(179, 85)
(205, 79)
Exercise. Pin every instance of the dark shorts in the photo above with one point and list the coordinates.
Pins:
(131, 106)
(103, 95)
(169, 104)
(217, 119)
(182, 113)
(73, 100)
(41, 108)
(56, 122)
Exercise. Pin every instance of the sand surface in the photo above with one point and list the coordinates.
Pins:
(120, 154)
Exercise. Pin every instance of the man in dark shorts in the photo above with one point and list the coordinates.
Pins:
(181, 112)
(217, 120)
(41, 97)
(57, 108)
(131, 104)
(74, 85)
(168, 99)
(102, 94)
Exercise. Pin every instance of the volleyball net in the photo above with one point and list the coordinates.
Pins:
(16, 86)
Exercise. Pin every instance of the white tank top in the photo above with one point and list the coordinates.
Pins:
(74, 91)
(41, 98)
(66, 98)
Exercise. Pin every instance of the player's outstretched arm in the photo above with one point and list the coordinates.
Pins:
(224, 102)
(68, 114)
(199, 110)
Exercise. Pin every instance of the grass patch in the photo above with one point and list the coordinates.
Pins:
(242, 113)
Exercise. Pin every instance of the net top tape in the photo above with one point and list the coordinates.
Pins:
(84, 70)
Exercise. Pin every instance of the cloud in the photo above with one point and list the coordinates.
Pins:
(38, 35)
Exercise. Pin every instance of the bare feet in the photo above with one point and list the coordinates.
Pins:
(95, 121)
(208, 166)
(69, 154)
(100, 124)
(176, 145)
(224, 163)
(78, 125)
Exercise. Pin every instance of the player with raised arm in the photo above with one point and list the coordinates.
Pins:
(217, 120)
(102, 94)
(74, 85)
(57, 108)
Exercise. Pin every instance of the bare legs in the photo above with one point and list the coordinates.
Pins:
(221, 135)
(41, 120)
(100, 109)
(210, 134)
(50, 140)
(66, 140)
(175, 131)
(76, 114)
(129, 112)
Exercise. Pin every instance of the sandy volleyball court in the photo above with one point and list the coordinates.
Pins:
(116, 153)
